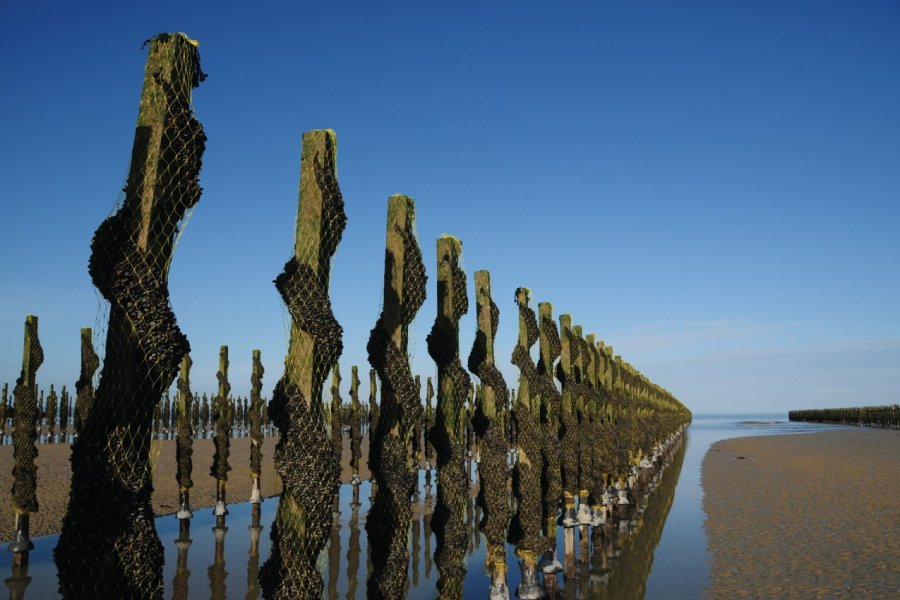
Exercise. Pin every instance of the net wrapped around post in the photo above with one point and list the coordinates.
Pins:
(335, 414)
(51, 410)
(84, 387)
(448, 433)
(488, 424)
(583, 406)
(222, 441)
(525, 531)
(568, 433)
(256, 434)
(389, 459)
(304, 457)
(24, 490)
(600, 434)
(184, 439)
(64, 411)
(108, 546)
(373, 403)
(4, 408)
(355, 426)
(427, 424)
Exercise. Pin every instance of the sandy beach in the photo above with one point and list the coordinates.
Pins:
(804, 516)
(54, 474)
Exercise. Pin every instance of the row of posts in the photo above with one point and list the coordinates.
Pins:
(580, 451)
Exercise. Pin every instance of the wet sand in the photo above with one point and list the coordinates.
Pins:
(54, 474)
(804, 516)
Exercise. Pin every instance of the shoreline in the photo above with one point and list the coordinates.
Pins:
(809, 515)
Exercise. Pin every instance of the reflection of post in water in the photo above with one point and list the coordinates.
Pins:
(449, 428)
(18, 582)
(304, 456)
(525, 530)
(626, 577)
(353, 550)
(217, 574)
(493, 473)
(416, 548)
(389, 452)
(334, 550)
(253, 556)
(428, 509)
(182, 572)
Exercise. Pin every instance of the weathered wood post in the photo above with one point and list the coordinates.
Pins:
(4, 409)
(526, 531)
(373, 404)
(222, 440)
(488, 425)
(551, 409)
(449, 429)
(304, 457)
(389, 456)
(52, 408)
(109, 510)
(256, 434)
(184, 442)
(428, 423)
(355, 428)
(84, 387)
(64, 410)
(204, 415)
(334, 411)
(24, 490)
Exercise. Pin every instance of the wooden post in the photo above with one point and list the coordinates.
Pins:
(389, 452)
(222, 440)
(304, 457)
(109, 530)
(184, 440)
(449, 438)
(24, 490)
(256, 424)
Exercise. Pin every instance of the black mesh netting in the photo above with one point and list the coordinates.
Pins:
(304, 456)
(108, 547)
(525, 530)
(388, 522)
(493, 470)
(448, 433)
(24, 490)
(256, 405)
(185, 436)
(84, 387)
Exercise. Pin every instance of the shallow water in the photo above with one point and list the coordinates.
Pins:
(662, 555)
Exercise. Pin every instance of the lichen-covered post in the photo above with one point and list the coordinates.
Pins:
(51, 410)
(389, 456)
(428, 423)
(24, 490)
(184, 441)
(337, 431)
(256, 434)
(373, 404)
(222, 439)
(526, 527)
(304, 457)
(84, 387)
(488, 425)
(355, 428)
(204, 415)
(449, 429)
(4, 408)
(551, 409)
(108, 540)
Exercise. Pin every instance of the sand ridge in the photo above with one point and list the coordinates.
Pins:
(812, 515)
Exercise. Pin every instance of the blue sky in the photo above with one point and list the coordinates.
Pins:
(710, 187)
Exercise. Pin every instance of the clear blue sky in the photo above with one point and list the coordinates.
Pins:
(711, 187)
